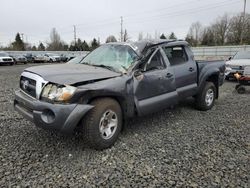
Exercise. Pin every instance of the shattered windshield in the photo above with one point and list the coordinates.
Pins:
(117, 57)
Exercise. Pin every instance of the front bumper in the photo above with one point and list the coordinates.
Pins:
(59, 117)
(6, 62)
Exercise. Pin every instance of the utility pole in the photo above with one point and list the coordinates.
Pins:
(121, 29)
(243, 22)
(75, 34)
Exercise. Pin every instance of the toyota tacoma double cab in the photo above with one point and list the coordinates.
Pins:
(115, 82)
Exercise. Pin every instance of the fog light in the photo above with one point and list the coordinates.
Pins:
(48, 116)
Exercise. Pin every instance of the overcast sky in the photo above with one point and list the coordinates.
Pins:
(101, 18)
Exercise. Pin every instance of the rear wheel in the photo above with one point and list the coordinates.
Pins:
(241, 89)
(102, 125)
(205, 99)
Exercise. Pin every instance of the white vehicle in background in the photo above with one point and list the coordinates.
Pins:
(237, 63)
(40, 58)
(6, 59)
(53, 57)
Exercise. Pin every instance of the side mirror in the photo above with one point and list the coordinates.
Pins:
(229, 58)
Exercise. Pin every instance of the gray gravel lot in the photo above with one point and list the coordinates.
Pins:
(178, 147)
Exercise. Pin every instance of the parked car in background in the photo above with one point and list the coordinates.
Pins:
(53, 57)
(30, 57)
(40, 58)
(6, 59)
(64, 58)
(237, 63)
(19, 58)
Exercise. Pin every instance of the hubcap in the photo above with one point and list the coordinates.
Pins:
(209, 97)
(108, 124)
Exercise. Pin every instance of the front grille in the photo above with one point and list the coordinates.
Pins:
(28, 85)
(7, 59)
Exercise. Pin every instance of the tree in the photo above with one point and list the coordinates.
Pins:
(163, 36)
(33, 48)
(172, 36)
(195, 34)
(18, 44)
(140, 36)
(85, 46)
(111, 38)
(94, 44)
(55, 41)
(125, 36)
(208, 37)
(41, 47)
(238, 28)
(220, 29)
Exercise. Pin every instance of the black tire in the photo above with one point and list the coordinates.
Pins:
(241, 89)
(91, 123)
(51, 61)
(11, 63)
(237, 86)
(201, 103)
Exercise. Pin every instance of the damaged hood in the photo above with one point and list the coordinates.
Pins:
(71, 73)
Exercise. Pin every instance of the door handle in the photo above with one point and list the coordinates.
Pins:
(191, 69)
(169, 75)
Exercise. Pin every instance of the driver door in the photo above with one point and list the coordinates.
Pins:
(154, 87)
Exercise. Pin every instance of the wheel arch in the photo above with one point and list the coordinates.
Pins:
(127, 109)
(212, 76)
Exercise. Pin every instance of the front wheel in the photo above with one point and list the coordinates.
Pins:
(102, 125)
(205, 99)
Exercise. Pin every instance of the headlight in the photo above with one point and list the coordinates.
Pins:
(58, 93)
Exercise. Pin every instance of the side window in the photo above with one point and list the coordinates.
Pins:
(176, 54)
(155, 62)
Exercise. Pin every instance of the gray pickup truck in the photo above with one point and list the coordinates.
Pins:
(114, 82)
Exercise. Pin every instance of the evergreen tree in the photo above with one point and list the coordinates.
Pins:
(41, 47)
(163, 36)
(33, 48)
(85, 46)
(172, 36)
(18, 44)
(94, 44)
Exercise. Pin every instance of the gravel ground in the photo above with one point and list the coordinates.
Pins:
(181, 147)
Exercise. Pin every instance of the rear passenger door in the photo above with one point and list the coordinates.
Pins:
(185, 69)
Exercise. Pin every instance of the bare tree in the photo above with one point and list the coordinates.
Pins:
(140, 36)
(237, 30)
(111, 38)
(220, 29)
(195, 33)
(55, 41)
